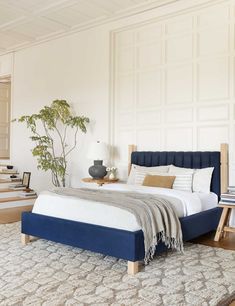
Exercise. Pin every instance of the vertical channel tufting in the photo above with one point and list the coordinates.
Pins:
(155, 159)
(148, 159)
(194, 160)
(205, 160)
(187, 160)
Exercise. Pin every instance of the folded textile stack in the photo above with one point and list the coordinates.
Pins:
(228, 197)
(25, 194)
(231, 189)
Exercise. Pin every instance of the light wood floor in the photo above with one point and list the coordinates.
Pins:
(226, 243)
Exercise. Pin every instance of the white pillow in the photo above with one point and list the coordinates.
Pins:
(201, 177)
(183, 182)
(202, 180)
(179, 170)
(131, 178)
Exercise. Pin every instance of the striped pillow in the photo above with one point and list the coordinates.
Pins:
(140, 176)
(183, 182)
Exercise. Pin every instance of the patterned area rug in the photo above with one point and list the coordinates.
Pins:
(47, 273)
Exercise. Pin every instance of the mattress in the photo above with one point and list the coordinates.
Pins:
(72, 208)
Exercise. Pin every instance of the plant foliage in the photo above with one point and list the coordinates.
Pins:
(49, 128)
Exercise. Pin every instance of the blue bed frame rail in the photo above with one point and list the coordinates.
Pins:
(110, 241)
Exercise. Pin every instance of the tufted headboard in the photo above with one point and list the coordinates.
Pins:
(194, 160)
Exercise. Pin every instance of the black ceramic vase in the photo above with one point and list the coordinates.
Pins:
(97, 171)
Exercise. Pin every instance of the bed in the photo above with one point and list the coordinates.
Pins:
(123, 243)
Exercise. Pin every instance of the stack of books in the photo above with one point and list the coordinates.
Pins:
(17, 187)
(26, 194)
(231, 189)
(228, 197)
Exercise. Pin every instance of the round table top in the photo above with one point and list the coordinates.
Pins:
(99, 181)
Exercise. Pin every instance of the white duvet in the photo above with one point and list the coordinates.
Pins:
(72, 208)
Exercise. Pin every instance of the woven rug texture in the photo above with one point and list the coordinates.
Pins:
(48, 273)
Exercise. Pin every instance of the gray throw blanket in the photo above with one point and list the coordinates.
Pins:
(155, 215)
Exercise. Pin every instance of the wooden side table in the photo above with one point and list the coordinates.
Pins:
(99, 182)
(223, 226)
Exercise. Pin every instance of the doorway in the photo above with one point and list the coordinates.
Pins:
(5, 116)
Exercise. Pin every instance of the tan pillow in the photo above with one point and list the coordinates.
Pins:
(159, 181)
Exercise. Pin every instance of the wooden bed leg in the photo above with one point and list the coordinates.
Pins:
(25, 239)
(132, 267)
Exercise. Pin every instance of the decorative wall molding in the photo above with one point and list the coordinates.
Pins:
(173, 82)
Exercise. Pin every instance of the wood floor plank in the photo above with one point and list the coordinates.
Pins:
(227, 242)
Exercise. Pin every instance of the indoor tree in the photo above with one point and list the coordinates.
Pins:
(50, 128)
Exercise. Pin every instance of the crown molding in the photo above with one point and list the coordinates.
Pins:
(183, 5)
(66, 31)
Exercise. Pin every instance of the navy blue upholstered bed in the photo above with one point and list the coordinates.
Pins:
(125, 244)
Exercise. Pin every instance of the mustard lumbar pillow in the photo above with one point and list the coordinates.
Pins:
(163, 181)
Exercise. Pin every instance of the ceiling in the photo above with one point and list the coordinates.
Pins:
(27, 22)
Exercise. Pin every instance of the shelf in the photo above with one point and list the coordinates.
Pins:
(13, 214)
(2, 181)
(228, 205)
(2, 190)
(9, 173)
(16, 199)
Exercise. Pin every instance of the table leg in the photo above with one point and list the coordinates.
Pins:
(222, 221)
(227, 222)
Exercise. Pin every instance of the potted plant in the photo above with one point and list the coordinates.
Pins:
(49, 129)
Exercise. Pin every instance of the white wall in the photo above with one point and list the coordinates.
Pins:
(77, 68)
(73, 68)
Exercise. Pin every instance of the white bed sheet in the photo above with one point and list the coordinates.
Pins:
(72, 208)
(208, 200)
